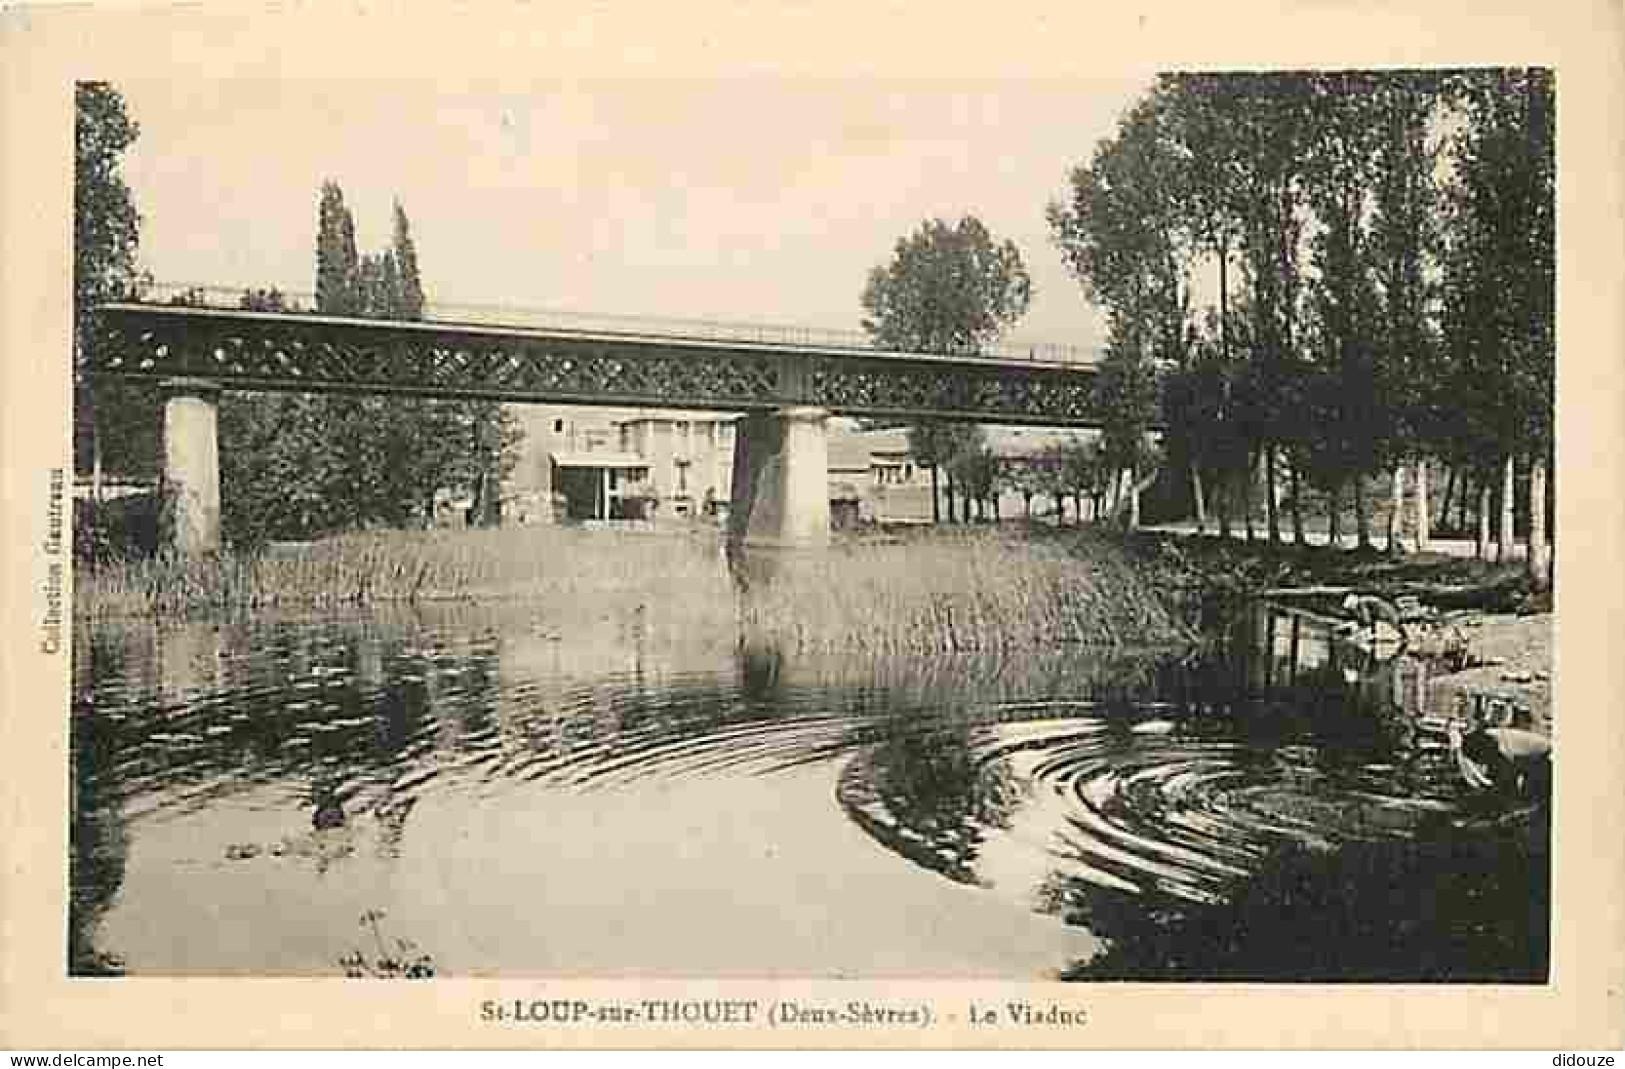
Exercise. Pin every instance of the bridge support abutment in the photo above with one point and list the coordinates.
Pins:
(191, 481)
(781, 479)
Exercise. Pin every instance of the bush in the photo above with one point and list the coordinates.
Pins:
(120, 529)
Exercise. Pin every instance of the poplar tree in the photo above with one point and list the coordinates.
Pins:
(404, 255)
(1121, 236)
(115, 421)
(338, 267)
(1501, 285)
(949, 289)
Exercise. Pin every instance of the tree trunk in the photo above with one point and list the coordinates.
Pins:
(1027, 504)
(1424, 508)
(1226, 478)
(1298, 535)
(1481, 548)
(1247, 498)
(1272, 509)
(1537, 522)
(1201, 501)
(1504, 540)
(936, 498)
(1077, 504)
(1449, 496)
(1551, 513)
(1396, 512)
(1362, 522)
(1467, 484)
(1334, 517)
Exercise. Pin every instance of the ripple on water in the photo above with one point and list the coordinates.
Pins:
(1189, 813)
(1018, 778)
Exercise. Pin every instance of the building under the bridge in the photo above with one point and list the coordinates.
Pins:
(597, 464)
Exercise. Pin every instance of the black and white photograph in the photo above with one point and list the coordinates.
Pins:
(1053, 530)
(1123, 555)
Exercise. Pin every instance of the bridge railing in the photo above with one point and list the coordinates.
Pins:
(499, 315)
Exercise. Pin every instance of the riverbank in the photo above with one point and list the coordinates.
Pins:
(921, 590)
(1478, 623)
(1514, 666)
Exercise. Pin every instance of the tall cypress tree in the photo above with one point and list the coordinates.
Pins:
(118, 427)
(341, 290)
(409, 303)
(338, 267)
(325, 463)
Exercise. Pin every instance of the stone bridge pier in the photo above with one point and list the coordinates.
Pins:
(781, 479)
(191, 479)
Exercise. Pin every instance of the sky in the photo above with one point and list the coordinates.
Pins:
(761, 199)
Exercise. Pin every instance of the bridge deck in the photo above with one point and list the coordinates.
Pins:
(295, 351)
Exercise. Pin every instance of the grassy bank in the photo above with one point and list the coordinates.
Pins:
(929, 591)
(1482, 627)
(359, 569)
(964, 590)
(1257, 567)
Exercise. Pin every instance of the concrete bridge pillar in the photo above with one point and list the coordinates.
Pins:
(781, 479)
(191, 483)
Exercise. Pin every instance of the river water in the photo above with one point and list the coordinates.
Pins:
(498, 798)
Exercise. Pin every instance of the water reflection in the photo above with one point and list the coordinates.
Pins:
(1201, 813)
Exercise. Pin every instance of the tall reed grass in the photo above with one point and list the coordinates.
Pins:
(958, 592)
(930, 592)
(552, 563)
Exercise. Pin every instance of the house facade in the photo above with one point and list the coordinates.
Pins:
(595, 464)
(874, 478)
(689, 459)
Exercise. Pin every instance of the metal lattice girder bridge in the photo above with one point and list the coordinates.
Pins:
(242, 350)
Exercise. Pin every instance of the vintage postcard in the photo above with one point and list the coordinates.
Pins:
(812, 527)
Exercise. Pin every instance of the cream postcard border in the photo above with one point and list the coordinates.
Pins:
(44, 49)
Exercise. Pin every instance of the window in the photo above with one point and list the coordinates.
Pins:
(558, 426)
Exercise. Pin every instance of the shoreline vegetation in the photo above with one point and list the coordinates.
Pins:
(955, 590)
(1486, 628)
(916, 591)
